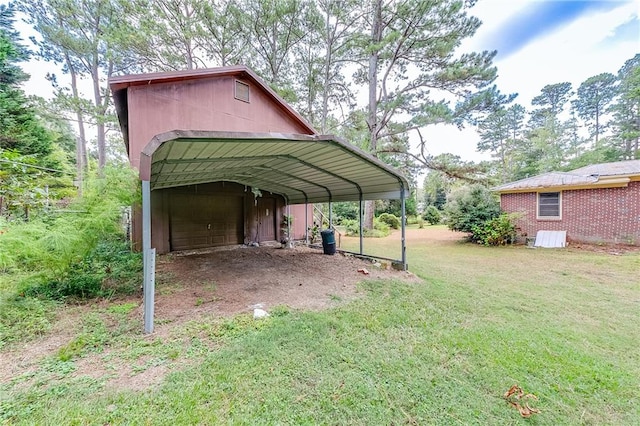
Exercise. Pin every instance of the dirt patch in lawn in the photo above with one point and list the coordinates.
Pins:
(613, 249)
(201, 285)
(227, 282)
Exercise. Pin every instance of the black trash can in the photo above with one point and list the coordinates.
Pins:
(328, 241)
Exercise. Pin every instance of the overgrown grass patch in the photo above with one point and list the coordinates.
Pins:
(24, 318)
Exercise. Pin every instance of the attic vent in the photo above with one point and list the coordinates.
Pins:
(242, 91)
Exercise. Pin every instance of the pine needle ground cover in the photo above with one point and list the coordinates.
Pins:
(559, 324)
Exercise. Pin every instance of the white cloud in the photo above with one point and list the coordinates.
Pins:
(573, 53)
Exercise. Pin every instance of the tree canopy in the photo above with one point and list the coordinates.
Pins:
(377, 74)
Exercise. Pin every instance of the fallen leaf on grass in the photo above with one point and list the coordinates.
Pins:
(515, 389)
(364, 271)
(514, 395)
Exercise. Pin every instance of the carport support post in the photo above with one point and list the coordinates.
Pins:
(289, 224)
(330, 214)
(403, 226)
(361, 214)
(149, 258)
(306, 223)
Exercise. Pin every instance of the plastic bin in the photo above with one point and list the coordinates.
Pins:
(328, 241)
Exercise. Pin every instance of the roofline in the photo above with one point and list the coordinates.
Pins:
(120, 84)
(580, 170)
(613, 182)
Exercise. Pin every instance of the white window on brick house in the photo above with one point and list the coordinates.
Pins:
(241, 91)
(549, 205)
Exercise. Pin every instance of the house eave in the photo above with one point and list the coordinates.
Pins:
(615, 182)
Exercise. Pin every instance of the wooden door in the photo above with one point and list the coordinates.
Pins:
(199, 221)
(266, 219)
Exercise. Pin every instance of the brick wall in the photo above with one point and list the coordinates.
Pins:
(590, 215)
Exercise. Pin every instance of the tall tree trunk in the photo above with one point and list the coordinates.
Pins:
(503, 159)
(327, 72)
(376, 35)
(81, 141)
(102, 152)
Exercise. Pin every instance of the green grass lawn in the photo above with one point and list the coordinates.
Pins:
(562, 324)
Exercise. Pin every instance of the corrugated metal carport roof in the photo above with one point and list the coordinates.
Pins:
(302, 168)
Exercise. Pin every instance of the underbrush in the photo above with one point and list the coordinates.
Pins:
(23, 318)
(74, 253)
(380, 228)
(110, 268)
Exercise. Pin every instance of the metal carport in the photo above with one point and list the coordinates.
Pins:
(301, 168)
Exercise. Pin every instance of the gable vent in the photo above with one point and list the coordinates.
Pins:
(242, 91)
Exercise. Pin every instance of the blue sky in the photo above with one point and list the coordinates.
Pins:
(542, 42)
(540, 18)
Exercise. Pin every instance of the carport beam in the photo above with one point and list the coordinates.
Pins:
(148, 256)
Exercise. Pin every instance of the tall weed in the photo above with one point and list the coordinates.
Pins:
(77, 252)
(54, 242)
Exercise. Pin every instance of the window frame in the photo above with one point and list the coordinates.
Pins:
(540, 217)
(235, 91)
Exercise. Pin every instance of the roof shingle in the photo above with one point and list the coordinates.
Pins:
(589, 175)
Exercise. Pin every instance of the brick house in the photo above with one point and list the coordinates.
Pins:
(597, 203)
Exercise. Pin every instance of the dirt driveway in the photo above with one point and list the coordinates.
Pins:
(227, 282)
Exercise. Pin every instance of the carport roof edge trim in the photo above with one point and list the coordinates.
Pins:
(385, 174)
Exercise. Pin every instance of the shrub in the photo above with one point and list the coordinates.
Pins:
(380, 229)
(347, 210)
(111, 267)
(351, 226)
(52, 244)
(392, 220)
(75, 251)
(498, 231)
(470, 206)
(432, 215)
(413, 220)
(382, 226)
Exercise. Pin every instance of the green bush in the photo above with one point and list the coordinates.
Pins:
(380, 229)
(347, 210)
(51, 244)
(432, 215)
(498, 231)
(111, 267)
(74, 250)
(382, 226)
(351, 226)
(470, 206)
(392, 220)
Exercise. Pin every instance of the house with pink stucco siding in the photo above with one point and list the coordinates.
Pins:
(597, 204)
